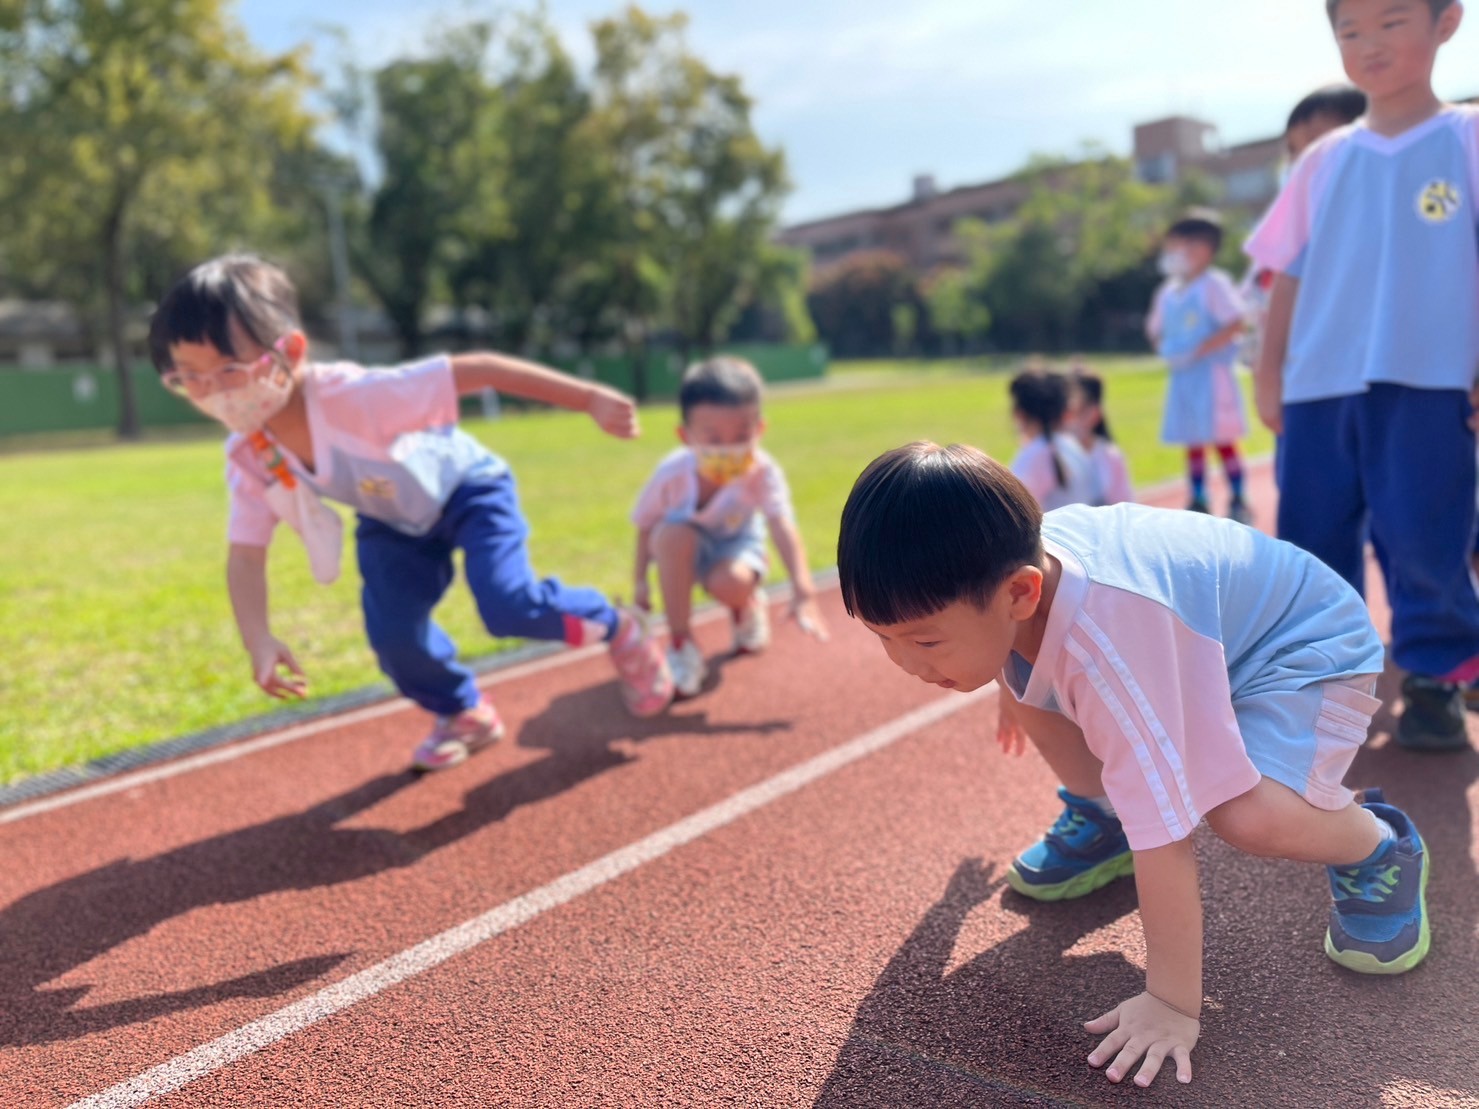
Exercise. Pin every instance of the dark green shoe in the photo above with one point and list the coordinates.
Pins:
(1433, 716)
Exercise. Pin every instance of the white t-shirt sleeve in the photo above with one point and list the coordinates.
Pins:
(380, 405)
(1155, 322)
(774, 499)
(1224, 301)
(1114, 471)
(1470, 135)
(1279, 240)
(250, 522)
(1034, 467)
(662, 493)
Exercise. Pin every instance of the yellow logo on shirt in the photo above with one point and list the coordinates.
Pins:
(1439, 201)
(377, 487)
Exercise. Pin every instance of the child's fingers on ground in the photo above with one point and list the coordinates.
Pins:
(1125, 1061)
(1182, 1056)
(1152, 1065)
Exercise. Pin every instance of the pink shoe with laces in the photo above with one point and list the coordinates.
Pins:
(454, 738)
(641, 667)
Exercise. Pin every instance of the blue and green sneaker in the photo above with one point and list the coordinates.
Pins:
(1083, 850)
(1379, 921)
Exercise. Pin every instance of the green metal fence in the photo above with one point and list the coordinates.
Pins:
(76, 398)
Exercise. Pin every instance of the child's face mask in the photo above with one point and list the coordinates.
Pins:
(721, 465)
(1175, 263)
(243, 396)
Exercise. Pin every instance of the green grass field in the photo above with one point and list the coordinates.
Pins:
(114, 622)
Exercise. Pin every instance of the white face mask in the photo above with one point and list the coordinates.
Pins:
(1174, 263)
(249, 406)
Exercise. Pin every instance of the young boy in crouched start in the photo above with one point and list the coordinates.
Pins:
(703, 517)
(1170, 667)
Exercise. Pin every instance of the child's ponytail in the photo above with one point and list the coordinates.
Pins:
(1091, 386)
(1042, 397)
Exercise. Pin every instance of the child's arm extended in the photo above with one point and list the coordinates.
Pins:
(1268, 375)
(1164, 1021)
(246, 583)
(641, 589)
(614, 412)
(804, 608)
(1223, 338)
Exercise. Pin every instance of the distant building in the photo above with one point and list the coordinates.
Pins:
(1247, 175)
(922, 228)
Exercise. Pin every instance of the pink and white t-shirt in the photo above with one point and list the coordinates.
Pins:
(385, 442)
(672, 494)
(1198, 655)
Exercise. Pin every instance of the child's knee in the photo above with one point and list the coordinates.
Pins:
(1252, 823)
(732, 581)
(674, 540)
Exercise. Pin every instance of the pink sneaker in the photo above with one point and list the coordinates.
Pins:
(646, 682)
(456, 737)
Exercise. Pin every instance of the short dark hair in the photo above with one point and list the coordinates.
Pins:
(1437, 7)
(725, 381)
(201, 305)
(1201, 225)
(926, 526)
(1343, 102)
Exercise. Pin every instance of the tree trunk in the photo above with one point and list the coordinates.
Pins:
(128, 409)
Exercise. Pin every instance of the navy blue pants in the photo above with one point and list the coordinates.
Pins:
(405, 576)
(1395, 464)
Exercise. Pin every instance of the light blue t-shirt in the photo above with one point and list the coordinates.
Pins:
(1383, 235)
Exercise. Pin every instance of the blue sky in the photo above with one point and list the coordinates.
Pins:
(863, 94)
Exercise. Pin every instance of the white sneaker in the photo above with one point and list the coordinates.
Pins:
(686, 663)
(752, 629)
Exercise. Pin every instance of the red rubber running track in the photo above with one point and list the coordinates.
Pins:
(786, 892)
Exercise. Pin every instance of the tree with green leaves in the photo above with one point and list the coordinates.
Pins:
(521, 269)
(442, 152)
(958, 314)
(697, 194)
(854, 302)
(1088, 228)
(135, 133)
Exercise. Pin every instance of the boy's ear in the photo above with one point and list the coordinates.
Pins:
(295, 346)
(1449, 22)
(1024, 590)
(683, 435)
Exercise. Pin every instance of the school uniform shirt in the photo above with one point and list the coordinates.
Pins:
(1198, 655)
(1111, 473)
(1034, 465)
(735, 509)
(385, 442)
(1381, 233)
(1204, 405)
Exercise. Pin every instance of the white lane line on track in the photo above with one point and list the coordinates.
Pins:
(302, 731)
(260, 1034)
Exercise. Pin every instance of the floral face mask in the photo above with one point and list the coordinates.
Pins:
(243, 396)
(721, 465)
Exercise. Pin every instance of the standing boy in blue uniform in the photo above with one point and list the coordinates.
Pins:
(1195, 323)
(1372, 346)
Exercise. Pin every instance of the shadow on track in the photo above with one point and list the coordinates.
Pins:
(1001, 1030)
(49, 932)
(586, 734)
